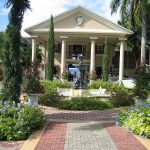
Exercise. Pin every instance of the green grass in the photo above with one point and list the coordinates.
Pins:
(83, 103)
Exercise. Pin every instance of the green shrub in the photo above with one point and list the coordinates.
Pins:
(49, 99)
(55, 84)
(122, 97)
(50, 96)
(142, 81)
(107, 85)
(83, 103)
(136, 120)
(18, 123)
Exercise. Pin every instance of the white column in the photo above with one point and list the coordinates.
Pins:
(33, 50)
(63, 56)
(92, 62)
(43, 60)
(43, 54)
(121, 62)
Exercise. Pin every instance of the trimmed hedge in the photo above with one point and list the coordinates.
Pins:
(107, 85)
(55, 84)
(83, 103)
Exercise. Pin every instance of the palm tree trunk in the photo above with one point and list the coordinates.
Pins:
(143, 38)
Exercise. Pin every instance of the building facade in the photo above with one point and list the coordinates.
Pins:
(79, 31)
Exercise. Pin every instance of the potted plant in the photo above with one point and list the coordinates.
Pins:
(33, 88)
(92, 76)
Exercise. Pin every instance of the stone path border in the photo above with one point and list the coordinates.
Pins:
(11, 145)
(33, 140)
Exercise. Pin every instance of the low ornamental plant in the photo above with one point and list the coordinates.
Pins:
(107, 85)
(18, 123)
(51, 95)
(137, 120)
(33, 85)
(83, 103)
(122, 97)
(55, 84)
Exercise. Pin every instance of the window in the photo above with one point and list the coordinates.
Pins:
(99, 49)
(57, 47)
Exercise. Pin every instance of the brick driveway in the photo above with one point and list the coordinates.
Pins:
(87, 130)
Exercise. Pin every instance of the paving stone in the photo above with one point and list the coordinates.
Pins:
(123, 139)
(88, 136)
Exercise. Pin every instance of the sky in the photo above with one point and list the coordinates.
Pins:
(42, 10)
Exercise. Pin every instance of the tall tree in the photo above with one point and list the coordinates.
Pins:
(11, 53)
(105, 63)
(50, 63)
(136, 11)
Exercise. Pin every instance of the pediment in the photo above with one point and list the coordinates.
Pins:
(71, 22)
(89, 22)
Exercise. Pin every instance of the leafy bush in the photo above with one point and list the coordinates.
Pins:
(122, 97)
(106, 85)
(55, 84)
(33, 84)
(83, 103)
(50, 96)
(18, 123)
(49, 99)
(142, 81)
(136, 120)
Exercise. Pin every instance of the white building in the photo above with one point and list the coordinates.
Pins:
(79, 31)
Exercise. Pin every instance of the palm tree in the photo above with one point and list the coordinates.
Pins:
(11, 53)
(136, 11)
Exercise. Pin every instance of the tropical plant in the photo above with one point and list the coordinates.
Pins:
(11, 54)
(136, 11)
(142, 81)
(33, 85)
(105, 63)
(50, 66)
(122, 97)
(18, 123)
(136, 120)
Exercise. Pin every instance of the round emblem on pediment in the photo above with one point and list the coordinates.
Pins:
(79, 20)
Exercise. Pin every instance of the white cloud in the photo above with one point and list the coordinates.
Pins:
(4, 11)
(43, 10)
(107, 11)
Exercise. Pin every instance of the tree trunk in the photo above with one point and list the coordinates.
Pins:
(143, 38)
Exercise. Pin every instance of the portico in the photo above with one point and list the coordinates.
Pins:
(79, 31)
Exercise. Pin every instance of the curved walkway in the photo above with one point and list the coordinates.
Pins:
(81, 130)
(66, 115)
(86, 130)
